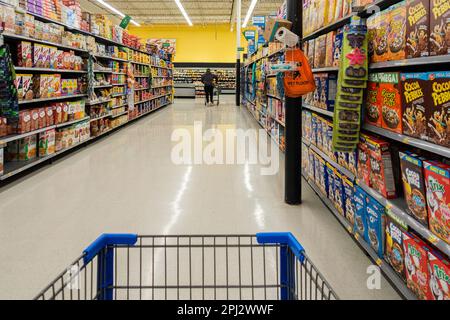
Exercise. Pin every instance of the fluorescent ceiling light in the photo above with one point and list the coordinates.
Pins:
(249, 12)
(119, 13)
(180, 6)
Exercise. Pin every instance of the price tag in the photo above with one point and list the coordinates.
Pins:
(379, 262)
(356, 236)
(433, 239)
(349, 229)
(406, 140)
(388, 206)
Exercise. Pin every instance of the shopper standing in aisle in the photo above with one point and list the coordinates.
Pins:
(208, 79)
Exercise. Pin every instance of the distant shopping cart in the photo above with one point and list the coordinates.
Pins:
(216, 95)
(200, 267)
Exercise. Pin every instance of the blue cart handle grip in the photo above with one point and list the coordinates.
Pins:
(107, 239)
(284, 238)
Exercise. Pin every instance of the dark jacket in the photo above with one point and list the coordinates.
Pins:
(208, 78)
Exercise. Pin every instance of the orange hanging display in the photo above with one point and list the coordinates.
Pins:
(301, 81)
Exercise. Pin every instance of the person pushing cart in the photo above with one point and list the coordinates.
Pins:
(209, 81)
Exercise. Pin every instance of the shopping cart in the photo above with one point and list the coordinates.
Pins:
(216, 95)
(127, 266)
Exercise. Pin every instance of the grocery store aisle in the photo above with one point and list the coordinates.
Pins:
(127, 182)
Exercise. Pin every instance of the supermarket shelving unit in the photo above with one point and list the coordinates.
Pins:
(12, 169)
(396, 208)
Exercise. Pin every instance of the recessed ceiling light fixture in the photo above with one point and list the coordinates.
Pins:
(119, 13)
(249, 12)
(185, 15)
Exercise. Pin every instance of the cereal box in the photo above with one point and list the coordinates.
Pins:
(413, 89)
(329, 49)
(46, 56)
(337, 47)
(349, 207)
(414, 186)
(53, 57)
(372, 112)
(338, 192)
(34, 119)
(24, 53)
(397, 30)
(321, 179)
(47, 143)
(381, 174)
(50, 117)
(417, 32)
(438, 111)
(437, 183)
(360, 225)
(416, 263)
(375, 225)
(352, 162)
(394, 252)
(42, 118)
(439, 27)
(390, 100)
(363, 160)
(38, 60)
(330, 184)
(380, 42)
(24, 121)
(27, 148)
(311, 165)
(27, 87)
(320, 51)
(319, 132)
(439, 276)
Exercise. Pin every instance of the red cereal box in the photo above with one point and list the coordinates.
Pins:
(416, 263)
(439, 276)
(363, 160)
(381, 174)
(437, 182)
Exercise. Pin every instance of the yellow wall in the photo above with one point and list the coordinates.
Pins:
(210, 43)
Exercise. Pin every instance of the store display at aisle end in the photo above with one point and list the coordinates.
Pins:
(72, 84)
(389, 191)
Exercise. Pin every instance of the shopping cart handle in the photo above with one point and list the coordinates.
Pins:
(107, 239)
(285, 238)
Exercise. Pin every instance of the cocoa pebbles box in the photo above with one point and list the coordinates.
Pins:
(414, 86)
(417, 28)
(394, 252)
(438, 108)
(439, 27)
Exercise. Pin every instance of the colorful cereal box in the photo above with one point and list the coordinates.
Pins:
(437, 182)
(349, 207)
(394, 252)
(381, 173)
(438, 108)
(414, 186)
(416, 262)
(373, 110)
(439, 27)
(397, 32)
(390, 100)
(417, 28)
(359, 198)
(375, 225)
(414, 86)
(439, 276)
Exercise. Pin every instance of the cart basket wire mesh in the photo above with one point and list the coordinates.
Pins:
(219, 267)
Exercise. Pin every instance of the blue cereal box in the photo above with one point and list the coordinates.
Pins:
(314, 129)
(330, 178)
(316, 169)
(310, 170)
(375, 225)
(338, 192)
(322, 175)
(349, 207)
(360, 225)
(319, 137)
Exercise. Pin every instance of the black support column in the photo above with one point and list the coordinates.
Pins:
(292, 176)
(238, 82)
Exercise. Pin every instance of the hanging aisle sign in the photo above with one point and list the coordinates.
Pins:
(250, 35)
(125, 21)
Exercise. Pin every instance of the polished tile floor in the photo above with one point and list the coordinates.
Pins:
(127, 182)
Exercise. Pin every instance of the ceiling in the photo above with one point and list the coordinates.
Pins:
(167, 12)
